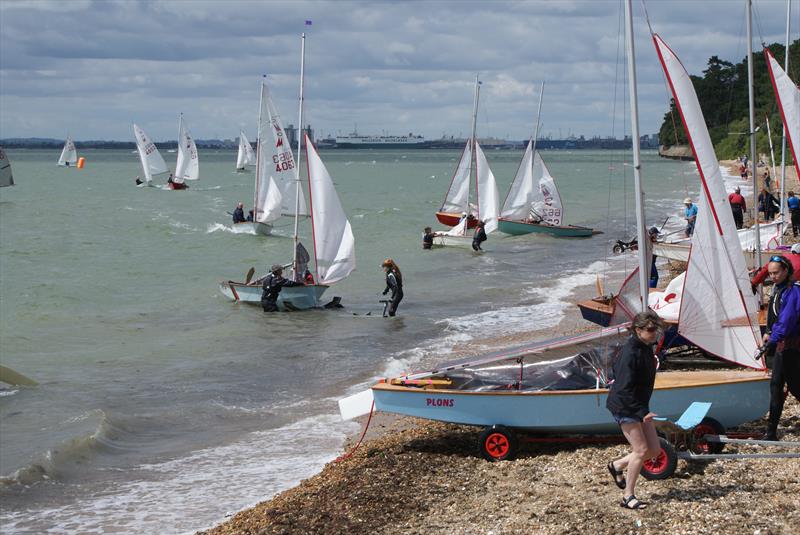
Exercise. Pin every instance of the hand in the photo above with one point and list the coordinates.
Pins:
(765, 339)
(649, 416)
(385, 292)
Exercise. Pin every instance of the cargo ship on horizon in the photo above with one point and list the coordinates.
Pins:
(358, 141)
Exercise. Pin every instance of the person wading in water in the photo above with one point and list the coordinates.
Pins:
(394, 283)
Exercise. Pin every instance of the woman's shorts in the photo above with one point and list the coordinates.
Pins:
(626, 419)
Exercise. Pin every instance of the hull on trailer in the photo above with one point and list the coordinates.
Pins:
(451, 219)
(297, 297)
(736, 397)
(680, 252)
(517, 228)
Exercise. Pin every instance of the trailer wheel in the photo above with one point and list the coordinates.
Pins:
(617, 249)
(709, 426)
(498, 443)
(662, 465)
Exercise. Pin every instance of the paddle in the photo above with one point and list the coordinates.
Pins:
(7, 375)
(249, 276)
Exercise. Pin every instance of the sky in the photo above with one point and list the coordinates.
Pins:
(90, 68)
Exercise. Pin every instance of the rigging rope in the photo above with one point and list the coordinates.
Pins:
(350, 453)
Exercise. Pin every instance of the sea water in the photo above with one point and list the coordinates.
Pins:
(163, 407)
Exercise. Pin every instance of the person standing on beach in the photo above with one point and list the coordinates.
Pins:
(690, 214)
(634, 374)
(782, 339)
(767, 179)
(794, 210)
(394, 283)
(479, 237)
(767, 204)
(738, 207)
(793, 257)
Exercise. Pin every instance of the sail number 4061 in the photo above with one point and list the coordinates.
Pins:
(283, 161)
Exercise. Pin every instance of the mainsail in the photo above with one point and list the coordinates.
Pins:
(334, 245)
(187, 167)
(488, 198)
(69, 156)
(788, 96)
(152, 162)
(457, 198)
(718, 311)
(246, 154)
(533, 192)
(6, 178)
(281, 161)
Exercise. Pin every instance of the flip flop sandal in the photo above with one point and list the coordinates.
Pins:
(632, 502)
(619, 479)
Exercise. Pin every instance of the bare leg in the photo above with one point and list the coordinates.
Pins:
(644, 441)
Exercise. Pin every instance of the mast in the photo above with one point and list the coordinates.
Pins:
(538, 116)
(783, 137)
(644, 269)
(259, 161)
(180, 141)
(751, 98)
(297, 160)
(473, 166)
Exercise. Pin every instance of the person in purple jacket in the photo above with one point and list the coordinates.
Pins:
(782, 339)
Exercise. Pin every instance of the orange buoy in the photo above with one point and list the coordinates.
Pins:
(81, 162)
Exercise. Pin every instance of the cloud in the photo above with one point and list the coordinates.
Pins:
(93, 67)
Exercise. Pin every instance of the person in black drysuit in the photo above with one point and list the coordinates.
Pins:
(427, 238)
(479, 237)
(238, 214)
(273, 283)
(394, 283)
(783, 339)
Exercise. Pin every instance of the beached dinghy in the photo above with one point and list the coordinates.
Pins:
(6, 178)
(334, 244)
(533, 204)
(246, 156)
(560, 386)
(69, 155)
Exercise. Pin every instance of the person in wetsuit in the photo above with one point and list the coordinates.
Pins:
(427, 238)
(479, 237)
(273, 284)
(782, 339)
(394, 283)
(238, 214)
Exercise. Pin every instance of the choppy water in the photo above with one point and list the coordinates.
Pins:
(162, 406)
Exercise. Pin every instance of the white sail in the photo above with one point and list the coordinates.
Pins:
(334, 245)
(281, 160)
(187, 167)
(246, 154)
(520, 195)
(788, 96)
(152, 162)
(545, 197)
(718, 310)
(69, 156)
(6, 178)
(457, 198)
(488, 197)
(268, 207)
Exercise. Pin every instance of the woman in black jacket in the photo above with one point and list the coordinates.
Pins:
(394, 283)
(629, 402)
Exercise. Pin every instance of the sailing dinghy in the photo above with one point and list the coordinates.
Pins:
(533, 204)
(245, 156)
(457, 201)
(561, 385)
(152, 162)
(69, 155)
(6, 178)
(187, 166)
(334, 244)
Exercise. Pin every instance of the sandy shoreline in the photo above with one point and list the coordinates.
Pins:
(415, 476)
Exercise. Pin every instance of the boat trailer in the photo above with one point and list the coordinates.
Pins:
(693, 437)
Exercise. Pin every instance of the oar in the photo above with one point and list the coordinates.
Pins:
(7, 375)
(249, 276)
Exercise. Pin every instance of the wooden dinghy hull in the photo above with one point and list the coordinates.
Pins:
(444, 240)
(451, 219)
(518, 228)
(736, 397)
(290, 298)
